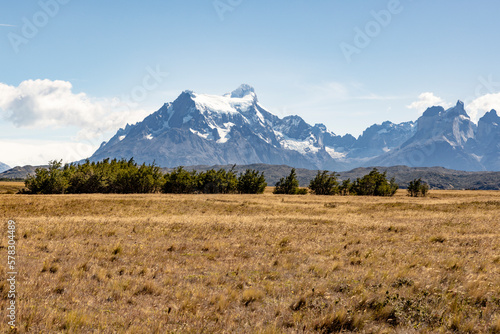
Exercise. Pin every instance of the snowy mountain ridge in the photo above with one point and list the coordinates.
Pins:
(236, 128)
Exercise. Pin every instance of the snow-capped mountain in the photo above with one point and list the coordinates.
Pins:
(233, 128)
(201, 129)
(382, 138)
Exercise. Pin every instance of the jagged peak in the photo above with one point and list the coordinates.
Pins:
(457, 110)
(433, 111)
(490, 117)
(242, 91)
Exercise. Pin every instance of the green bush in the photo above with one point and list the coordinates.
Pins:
(374, 184)
(324, 184)
(95, 177)
(47, 181)
(251, 182)
(345, 187)
(217, 182)
(180, 181)
(418, 188)
(289, 185)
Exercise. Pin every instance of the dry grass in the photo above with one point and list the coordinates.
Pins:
(10, 187)
(256, 263)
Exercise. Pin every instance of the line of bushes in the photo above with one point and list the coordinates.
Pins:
(221, 181)
(125, 177)
(372, 184)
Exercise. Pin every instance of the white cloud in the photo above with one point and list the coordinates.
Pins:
(427, 100)
(478, 107)
(47, 103)
(40, 152)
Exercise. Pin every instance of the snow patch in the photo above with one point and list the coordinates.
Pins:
(334, 154)
(187, 119)
(121, 138)
(224, 132)
(303, 147)
(223, 104)
(267, 140)
(202, 135)
(149, 137)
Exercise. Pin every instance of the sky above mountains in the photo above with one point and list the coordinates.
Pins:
(73, 72)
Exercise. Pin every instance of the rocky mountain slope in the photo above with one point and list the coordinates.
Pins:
(4, 167)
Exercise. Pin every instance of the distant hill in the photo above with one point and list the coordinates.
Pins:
(436, 177)
(19, 172)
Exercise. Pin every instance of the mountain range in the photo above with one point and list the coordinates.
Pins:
(201, 129)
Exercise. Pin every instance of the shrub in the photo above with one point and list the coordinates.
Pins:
(374, 184)
(217, 182)
(251, 182)
(180, 181)
(345, 187)
(418, 188)
(47, 181)
(288, 185)
(324, 184)
(95, 177)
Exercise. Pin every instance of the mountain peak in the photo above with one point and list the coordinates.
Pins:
(242, 91)
(491, 117)
(433, 111)
(457, 110)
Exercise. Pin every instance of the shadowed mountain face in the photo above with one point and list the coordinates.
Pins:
(199, 129)
(440, 140)
(3, 167)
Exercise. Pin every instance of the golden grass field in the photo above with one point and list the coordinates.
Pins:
(255, 263)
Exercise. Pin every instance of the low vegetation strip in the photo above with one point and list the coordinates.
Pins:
(160, 263)
(126, 177)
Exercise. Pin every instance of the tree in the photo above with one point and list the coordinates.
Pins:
(217, 182)
(417, 188)
(251, 182)
(289, 185)
(47, 181)
(374, 184)
(324, 184)
(345, 188)
(180, 181)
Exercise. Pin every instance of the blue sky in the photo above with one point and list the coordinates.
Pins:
(72, 72)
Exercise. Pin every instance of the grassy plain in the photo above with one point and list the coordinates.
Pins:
(255, 263)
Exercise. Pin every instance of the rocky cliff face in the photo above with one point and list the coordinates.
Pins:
(440, 140)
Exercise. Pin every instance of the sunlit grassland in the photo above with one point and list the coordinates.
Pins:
(10, 187)
(255, 263)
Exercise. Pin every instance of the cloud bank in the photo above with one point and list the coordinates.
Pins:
(427, 100)
(47, 103)
(482, 105)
